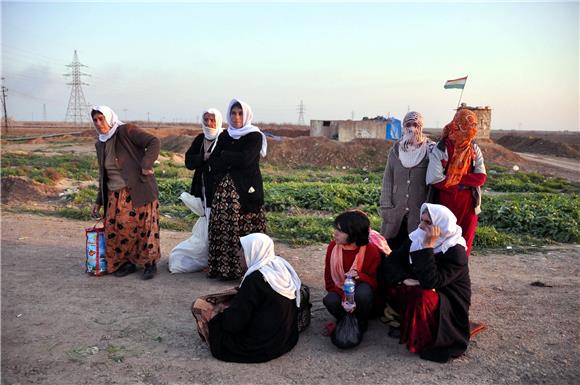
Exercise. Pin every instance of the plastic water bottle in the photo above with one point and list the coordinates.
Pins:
(348, 288)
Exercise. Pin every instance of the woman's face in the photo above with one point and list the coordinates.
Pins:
(425, 221)
(209, 120)
(237, 117)
(243, 263)
(341, 238)
(101, 123)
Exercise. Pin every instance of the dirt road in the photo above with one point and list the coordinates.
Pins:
(60, 326)
(565, 163)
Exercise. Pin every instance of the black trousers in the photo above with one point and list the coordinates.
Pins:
(363, 297)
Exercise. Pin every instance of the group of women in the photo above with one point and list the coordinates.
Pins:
(421, 270)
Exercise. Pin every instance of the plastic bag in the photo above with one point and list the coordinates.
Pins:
(304, 314)
(347, 333)
(95, 262)
(191, 255)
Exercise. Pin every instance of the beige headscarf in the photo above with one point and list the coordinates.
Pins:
(413, 146)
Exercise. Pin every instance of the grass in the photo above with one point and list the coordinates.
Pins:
(301, 203)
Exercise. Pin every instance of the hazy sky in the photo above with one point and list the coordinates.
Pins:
(378, 58)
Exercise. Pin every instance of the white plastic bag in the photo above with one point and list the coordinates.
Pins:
(191, 255)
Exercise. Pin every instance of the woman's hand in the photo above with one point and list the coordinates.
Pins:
(146, 172)
(96, 211)
(432, 234)
(353, 273)
(348, 307)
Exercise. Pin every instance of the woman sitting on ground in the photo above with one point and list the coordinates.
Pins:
(261, 323)
(431, 288)
(350, 253)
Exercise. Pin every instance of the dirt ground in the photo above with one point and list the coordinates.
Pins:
(61, 326)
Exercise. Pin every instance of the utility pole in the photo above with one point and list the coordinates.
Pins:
(301, 110)
(44, 112)
(77, 110)
(148, 120)
(4, 90)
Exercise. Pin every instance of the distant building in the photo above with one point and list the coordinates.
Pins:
(347, 130)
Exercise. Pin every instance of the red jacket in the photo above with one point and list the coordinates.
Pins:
(369, 267)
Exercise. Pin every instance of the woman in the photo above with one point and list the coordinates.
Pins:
(196, 158)
(261, 323)
(350, 253)
(457, 172)
(430, 286)
(237, 205)
(404, 187)
(128, 192)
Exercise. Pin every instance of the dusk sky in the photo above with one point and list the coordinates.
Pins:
(378, 58)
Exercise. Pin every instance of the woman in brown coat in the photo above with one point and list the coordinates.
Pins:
(128, 192)
(404, 187)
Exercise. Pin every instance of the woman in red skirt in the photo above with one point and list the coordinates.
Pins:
(430, 287)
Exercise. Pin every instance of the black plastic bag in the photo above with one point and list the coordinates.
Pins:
(304, 314)
(347, 333)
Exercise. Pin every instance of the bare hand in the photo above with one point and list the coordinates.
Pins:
(411, 282)
(96, 211)
(348, 307)
(353, 273)
(432, 234)
(146, 172)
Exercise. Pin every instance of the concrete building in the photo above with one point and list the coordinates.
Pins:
(347, 130)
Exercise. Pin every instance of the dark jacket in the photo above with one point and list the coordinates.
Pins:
(201, 175)
(241, 159)
(259, 325)
(135, 149)
(448, 274)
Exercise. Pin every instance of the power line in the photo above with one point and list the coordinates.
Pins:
(77, 110)
(301, 110)
(4, 90)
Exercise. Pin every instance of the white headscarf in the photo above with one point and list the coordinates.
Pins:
(111, 118)
(208, 132)
(259, 254)
(247, 127)
(413, 145)
(447, 222)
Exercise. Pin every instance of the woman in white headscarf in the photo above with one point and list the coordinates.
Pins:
(196, 158)
(404, 187)
(261, 322)
(128, 192)
(237, 205)
(430, 287)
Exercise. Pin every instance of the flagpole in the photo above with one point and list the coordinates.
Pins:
(460, 96)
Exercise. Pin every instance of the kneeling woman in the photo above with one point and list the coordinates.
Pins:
(261, 323)
(350, 253)
(431, 286)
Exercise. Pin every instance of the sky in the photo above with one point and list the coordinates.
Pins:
(169, 61)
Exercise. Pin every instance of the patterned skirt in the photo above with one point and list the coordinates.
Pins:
(132, 234)
(417, 308)
(227, 223)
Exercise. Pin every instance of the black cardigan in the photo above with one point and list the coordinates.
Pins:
(194, 161)
(259, 325)
(241, 159)
(448, 274)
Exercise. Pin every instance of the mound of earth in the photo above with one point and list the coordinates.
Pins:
(498, 154)
(178, 144)
(320, 151)
(21, 189)
(536, 145)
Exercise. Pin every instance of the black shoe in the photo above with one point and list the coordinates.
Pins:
(126, 269)
(149, 271)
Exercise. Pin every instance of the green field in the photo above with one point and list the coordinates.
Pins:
(519, 209)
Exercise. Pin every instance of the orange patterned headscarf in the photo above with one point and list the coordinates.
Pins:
(460, 132)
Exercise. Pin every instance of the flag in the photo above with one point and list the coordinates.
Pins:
(456, 83)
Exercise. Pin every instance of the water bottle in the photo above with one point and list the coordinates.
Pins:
(348, 288)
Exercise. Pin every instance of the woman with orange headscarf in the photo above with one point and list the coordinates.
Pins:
(457, 171)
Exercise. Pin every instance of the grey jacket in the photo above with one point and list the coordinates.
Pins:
(404, 191)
